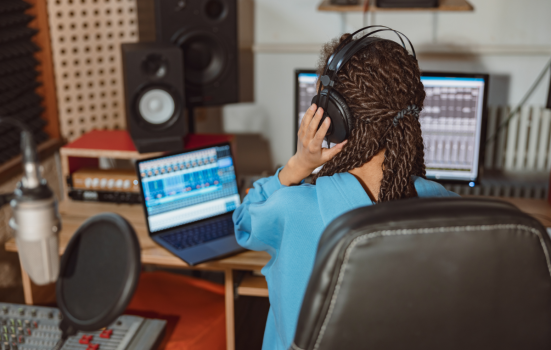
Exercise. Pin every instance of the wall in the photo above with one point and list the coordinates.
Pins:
(507, 38)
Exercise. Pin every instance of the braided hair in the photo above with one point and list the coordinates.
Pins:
(378, 83)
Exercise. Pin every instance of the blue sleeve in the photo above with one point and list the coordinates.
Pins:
(427, 188)
(257, 220)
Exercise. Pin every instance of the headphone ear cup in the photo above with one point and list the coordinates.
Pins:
(344, 112)
(339, 113)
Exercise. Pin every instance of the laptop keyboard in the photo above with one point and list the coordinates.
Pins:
(188, 237)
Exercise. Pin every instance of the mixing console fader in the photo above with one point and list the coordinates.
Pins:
(24, 327)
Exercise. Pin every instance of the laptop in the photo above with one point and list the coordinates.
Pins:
(189, 199)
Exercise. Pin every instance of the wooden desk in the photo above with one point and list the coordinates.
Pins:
(73, 214)
(538, 208)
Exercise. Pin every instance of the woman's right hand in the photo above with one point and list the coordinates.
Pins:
(310, 154)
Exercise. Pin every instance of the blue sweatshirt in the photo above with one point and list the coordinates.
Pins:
(287, 222)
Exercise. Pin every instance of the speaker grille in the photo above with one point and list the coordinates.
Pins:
(85, 43)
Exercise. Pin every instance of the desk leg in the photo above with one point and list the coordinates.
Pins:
(27, 288)
(230, 317)
(37, 295)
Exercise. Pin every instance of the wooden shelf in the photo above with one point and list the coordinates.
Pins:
(255, 286)
(445, 5)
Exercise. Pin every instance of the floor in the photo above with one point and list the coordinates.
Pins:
(250, 314)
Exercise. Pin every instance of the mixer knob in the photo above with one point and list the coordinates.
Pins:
(50, 315)
(5, 310)
(33, 312)
(21, 311)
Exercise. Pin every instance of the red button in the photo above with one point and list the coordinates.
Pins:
(86, 339)
(93, 347)
(106, 333)
(29, 331)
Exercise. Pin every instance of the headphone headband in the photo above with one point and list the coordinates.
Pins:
(344, 52)
(350, 47)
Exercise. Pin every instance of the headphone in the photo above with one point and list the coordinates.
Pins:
(333, 104)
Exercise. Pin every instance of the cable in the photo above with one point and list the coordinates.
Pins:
(15, 122)
(521, 103)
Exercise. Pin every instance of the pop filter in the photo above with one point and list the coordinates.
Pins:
(98, 275)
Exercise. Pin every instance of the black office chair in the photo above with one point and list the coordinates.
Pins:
(431, 274)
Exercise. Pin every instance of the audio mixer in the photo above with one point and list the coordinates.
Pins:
(24, 327)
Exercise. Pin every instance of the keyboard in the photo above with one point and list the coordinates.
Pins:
(191, 236)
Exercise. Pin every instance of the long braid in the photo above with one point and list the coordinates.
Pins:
(377, 83)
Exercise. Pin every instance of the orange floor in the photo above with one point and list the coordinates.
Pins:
(194, 309)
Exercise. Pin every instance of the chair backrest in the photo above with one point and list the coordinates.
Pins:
(430, 274)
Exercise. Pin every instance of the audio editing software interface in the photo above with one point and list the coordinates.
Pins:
(451, 122)
(188, 187)
(306, 92)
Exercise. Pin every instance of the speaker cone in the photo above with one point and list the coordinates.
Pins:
(204, 57)
(157, 106)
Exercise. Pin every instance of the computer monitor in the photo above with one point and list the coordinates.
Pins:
(453, 121)
(190, 186)
(305, 90)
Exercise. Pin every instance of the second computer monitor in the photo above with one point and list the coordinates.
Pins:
(452, 121)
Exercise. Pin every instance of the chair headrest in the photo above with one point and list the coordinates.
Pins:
(450, 273)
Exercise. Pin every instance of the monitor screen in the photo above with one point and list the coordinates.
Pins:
(188, 187)
(451, 121)
(305, 89)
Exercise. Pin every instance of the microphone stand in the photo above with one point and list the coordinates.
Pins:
(35, 218)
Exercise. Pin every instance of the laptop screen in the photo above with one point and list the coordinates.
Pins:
(187, 187)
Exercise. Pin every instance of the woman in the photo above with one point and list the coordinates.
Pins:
(382, 160)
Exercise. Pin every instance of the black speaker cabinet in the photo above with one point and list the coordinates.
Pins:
(154, 94)
(206, 32)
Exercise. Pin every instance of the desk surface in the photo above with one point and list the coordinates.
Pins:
(73, 214)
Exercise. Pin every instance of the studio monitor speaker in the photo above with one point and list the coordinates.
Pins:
(154, 94)
(206, 32)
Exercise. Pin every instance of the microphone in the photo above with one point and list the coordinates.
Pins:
(35, 219)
